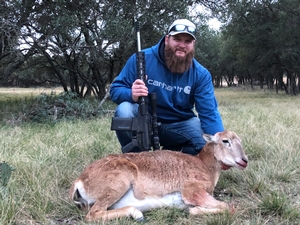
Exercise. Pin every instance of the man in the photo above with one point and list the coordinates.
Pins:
(181, 84)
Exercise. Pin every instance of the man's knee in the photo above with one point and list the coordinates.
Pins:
(185, 135)
(127, 110)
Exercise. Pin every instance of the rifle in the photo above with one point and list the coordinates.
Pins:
(143, 127)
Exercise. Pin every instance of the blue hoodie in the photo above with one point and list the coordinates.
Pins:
(178, 95)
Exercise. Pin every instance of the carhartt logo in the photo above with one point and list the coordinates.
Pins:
(186, 89)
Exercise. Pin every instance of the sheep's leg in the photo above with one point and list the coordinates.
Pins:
(203, 202)
(213, 207)
(97, 212)
(198, 210)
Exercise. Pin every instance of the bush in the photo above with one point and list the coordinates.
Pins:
(54, 108)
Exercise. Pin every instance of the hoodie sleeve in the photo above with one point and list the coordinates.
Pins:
(207, 107)
(120, 89)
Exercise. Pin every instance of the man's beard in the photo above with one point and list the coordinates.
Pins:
(177, 64)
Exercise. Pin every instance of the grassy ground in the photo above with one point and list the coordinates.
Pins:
(49, 156)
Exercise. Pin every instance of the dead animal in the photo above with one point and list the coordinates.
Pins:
(124, 185)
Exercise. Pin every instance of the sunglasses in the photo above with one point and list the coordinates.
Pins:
(181, 27)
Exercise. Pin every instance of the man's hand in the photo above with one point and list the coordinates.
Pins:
(138, 89)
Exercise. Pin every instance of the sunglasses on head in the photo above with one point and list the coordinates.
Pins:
(181, 27)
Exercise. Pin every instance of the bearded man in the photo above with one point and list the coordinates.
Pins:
(182, 86)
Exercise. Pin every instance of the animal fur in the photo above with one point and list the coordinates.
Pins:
(123, 185)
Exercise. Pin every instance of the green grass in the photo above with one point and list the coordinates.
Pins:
(49, 156)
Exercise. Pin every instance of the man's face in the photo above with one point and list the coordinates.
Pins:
(179, 52)
(181, 44)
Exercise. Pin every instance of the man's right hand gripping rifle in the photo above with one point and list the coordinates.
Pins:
(143, 127)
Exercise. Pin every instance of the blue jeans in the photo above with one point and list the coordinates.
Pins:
(185, 136)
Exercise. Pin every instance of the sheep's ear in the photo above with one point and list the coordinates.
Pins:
(208, 137)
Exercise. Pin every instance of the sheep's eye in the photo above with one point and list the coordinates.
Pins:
(225, 141)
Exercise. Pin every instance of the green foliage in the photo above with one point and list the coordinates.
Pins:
(167, 216)
(222, 219)
(49, 156)
(261, 42)
(80, 45)
(5, 173)
(50, 108)
(255, 183)
(278, 204)
(66, 43)
(67, 105)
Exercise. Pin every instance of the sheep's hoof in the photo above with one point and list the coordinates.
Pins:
(140, 219)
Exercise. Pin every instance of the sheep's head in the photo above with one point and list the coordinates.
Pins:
(228, 149)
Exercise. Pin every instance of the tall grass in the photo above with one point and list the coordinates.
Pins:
(49, 156)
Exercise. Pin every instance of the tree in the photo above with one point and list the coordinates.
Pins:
(83, 44)
(265, 40)
(13, 15)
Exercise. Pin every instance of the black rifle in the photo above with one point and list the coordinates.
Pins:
(143, 127)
